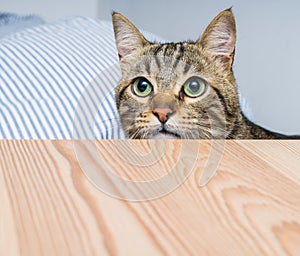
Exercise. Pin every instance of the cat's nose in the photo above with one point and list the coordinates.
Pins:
(163, 114)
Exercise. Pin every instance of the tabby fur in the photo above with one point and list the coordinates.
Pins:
(167, 112)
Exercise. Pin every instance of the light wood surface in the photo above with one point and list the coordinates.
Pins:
(48, 206)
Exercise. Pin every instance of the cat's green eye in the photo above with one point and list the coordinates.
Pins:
(194, 87)
(141, 87)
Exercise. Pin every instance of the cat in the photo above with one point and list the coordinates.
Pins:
(183, 90)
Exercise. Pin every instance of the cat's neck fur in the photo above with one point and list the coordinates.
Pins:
(245, 129)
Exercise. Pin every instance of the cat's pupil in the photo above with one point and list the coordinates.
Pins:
(142, 86)
(194, 86)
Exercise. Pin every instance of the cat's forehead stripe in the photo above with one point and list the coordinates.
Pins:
(168, 55)
(157, 61)
(167, 49)
(147, 67)
(186, 68)
(175, 51)
(179, 54)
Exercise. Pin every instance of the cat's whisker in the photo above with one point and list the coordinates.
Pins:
(206, 132)
(147, 133)
(133, 136)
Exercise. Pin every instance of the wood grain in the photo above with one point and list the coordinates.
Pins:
(48, 206)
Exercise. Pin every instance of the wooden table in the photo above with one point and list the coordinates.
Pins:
(49, 206)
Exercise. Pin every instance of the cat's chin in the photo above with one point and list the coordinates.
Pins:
(165, 136)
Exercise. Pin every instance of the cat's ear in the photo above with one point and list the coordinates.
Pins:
(220, 36)
(127, 36)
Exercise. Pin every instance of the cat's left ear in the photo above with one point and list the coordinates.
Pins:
(220, 36)
(128, 38)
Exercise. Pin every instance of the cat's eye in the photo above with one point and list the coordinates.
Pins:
(141, 87)
(194, 87)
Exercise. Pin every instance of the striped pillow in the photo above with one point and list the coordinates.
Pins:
(57, 82)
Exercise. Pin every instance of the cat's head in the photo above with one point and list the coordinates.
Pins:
(177, 90)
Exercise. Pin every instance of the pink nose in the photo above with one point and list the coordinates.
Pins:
(163, 114)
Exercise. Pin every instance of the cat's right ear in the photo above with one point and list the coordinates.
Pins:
(220, 36)
(128, 38)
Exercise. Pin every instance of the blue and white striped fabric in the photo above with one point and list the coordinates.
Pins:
(57, 82)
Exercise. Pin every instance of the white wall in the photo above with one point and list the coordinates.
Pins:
(52, 10)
